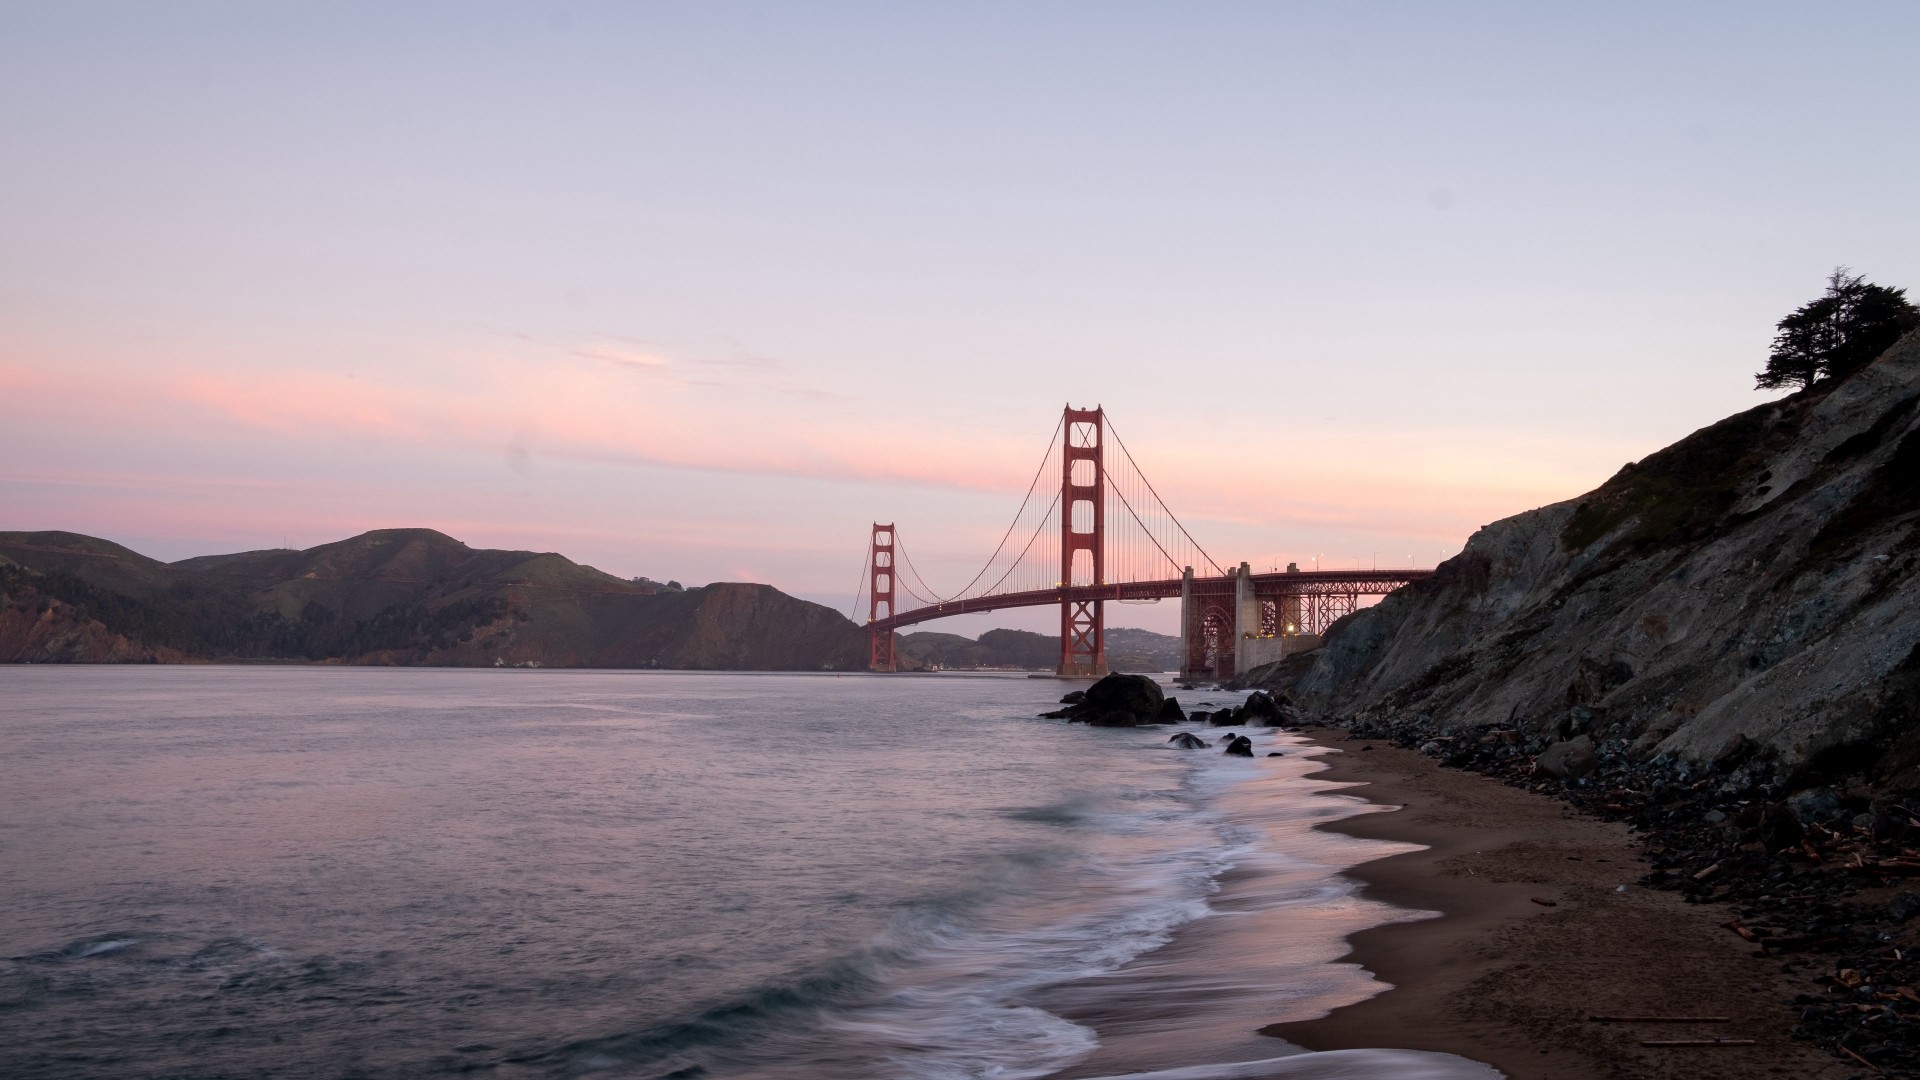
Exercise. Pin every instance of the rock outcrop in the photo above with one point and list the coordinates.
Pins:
(1118, 701)
(1752, 589)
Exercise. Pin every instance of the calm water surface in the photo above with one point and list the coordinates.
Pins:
(320, 872)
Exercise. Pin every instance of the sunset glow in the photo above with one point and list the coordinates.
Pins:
(688, 303)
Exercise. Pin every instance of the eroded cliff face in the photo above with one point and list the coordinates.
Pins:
(1757, 581)
(38, 627)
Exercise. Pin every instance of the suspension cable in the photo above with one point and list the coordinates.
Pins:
(1037, 534)
(1163, 503)
(901, 547)
(1031, 485)
(1143, 525)
(859, 591)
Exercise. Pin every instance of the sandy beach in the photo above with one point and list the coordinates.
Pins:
(1537, 936)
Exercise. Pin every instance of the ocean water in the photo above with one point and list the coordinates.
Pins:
(323, 872)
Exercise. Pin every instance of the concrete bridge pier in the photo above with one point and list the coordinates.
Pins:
(1246, 619)
(1190, 626)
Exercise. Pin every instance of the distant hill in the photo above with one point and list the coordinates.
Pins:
(1127, 650)
(393, 596)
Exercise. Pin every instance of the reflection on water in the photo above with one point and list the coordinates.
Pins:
(291, 872)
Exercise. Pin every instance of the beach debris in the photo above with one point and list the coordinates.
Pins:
(1698, 1042)
(1863, 1061)
(1544, 902)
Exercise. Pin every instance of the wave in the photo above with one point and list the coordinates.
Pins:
(938, 995)
(1333, 1065)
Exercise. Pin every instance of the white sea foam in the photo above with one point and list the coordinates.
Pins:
(1334, 1065)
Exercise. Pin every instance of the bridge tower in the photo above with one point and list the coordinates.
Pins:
(880, 598)
(1083, 547)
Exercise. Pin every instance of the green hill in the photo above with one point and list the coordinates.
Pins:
(1128, 649)
(393, 596)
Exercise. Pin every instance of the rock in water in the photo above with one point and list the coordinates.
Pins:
(1120, 701)
(1223, 718)
(1188, 742)
(1241, 746)
(1074, 697)
(1259, 709)
(1170, 713)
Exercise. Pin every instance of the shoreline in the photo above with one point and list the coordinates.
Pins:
(1500, 977)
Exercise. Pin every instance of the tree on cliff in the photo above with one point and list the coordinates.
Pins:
(1837, 334)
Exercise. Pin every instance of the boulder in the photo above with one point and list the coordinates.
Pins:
(1188, 742)
(1569, 760)
(1241, 746)
(1259, 709)
(1170, 713)
(1074, 697)
(1117, 701)
(1780, 828)
(1904, 905)
(1816, 805)
(1223, 718)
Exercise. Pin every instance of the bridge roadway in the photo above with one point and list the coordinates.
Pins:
(1303, 583)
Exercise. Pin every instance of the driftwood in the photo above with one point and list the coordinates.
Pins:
(1863, 1061)
(1543, 902)
(1696, 1042)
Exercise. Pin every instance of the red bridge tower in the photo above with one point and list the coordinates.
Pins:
(880, 602)
(1083, 547)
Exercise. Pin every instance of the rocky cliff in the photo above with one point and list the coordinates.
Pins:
(394, 596)
(1751, 588)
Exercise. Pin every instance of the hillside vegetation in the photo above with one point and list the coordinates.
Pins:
(1128, 649)
(393, 596)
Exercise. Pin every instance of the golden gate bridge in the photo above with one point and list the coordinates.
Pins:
(1091, 530)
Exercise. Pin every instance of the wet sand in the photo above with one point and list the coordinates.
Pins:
(1503, 979)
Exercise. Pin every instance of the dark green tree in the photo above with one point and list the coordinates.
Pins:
(1837, 334)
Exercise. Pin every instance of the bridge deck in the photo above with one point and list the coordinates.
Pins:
(1283, 583)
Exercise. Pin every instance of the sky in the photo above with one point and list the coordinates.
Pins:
(700, 290)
